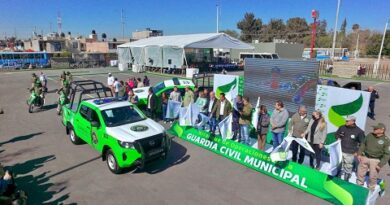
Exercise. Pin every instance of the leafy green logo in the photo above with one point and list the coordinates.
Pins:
(337, 112)
(226, 88)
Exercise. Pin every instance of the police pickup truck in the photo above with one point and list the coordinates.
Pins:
(116, 129)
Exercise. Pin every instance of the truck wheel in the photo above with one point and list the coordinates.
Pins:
(112, 163)
(73, 137)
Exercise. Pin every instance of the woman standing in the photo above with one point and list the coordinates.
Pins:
(316, 135)
(262, 127)
(164, 106)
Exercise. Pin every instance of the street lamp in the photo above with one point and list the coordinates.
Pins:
(376, 66)
(335, 28)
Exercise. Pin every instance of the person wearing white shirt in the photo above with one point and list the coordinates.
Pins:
(175, 95)
(110, 82)
(116, 87)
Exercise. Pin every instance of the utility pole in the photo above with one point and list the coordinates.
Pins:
(217, 16)
(357, 45)
(376, 66)
(335, 28)
(123, 24)
(59, 23)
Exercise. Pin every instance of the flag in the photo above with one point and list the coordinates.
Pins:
(255, 116)
(335, 156)
(204, 119)
(225, 127)
(173, 109)
(185, 117)
(280, 153)
(194, 110)
(201, 102)
(305, 144)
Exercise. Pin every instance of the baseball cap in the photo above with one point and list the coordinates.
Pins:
(379, 126)
(353, 118)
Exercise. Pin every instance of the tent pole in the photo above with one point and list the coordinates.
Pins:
(185, 59)
(162, 59)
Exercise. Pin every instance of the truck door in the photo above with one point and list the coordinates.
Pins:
(82, 124)
(97, 131)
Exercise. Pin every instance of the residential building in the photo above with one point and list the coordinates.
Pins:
(137, 35)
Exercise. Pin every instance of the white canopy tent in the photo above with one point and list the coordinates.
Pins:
(168, 51)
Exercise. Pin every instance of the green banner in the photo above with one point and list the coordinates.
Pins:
(326, 187)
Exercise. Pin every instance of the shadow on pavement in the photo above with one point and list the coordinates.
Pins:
(176, 156)
(49, 107)
(8, 157)
(20, 138)
(38, 188)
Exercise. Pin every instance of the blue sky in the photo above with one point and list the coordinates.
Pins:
(175, 16)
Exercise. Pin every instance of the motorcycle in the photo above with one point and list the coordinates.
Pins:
(35, 100)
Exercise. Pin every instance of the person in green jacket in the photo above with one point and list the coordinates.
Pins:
(188, 97)
(245, 121)
(373, 154)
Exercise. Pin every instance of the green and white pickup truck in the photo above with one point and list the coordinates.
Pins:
(163, 87)
(116, 129)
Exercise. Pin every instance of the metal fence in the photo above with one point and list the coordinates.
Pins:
(363, 70)
(383, 72)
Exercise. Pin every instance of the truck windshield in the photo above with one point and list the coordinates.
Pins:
(121, 116)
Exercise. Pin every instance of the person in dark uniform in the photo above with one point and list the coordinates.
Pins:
(351, 137)
(151, 104)
(374, 95)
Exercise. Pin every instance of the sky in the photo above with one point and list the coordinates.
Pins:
(175, 16)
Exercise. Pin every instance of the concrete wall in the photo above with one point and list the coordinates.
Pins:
(100, 47)
(289, 51)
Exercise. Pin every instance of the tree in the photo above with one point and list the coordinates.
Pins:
(62, 35)
(355, 27)
(104, 36)
(374, 44)
(343, 28)
(69, 33)
(231, 33)
(93, 32)
(114, 39)
(297, 29)
(321, 28)
(274, 29)
(250, 27)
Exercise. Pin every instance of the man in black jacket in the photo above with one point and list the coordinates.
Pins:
(212, 102)
(374, 95)
(151, 105)
(351, 137)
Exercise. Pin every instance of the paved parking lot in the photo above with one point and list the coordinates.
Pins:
(54, 171)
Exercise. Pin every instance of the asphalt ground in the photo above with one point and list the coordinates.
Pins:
(54, 171)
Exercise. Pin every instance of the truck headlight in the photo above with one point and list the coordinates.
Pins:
(127, 145)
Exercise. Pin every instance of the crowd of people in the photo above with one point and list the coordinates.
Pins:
(360, 153)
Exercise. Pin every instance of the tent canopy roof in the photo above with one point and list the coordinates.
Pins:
(204, 40)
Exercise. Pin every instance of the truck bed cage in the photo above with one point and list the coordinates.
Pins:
(88, 87)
